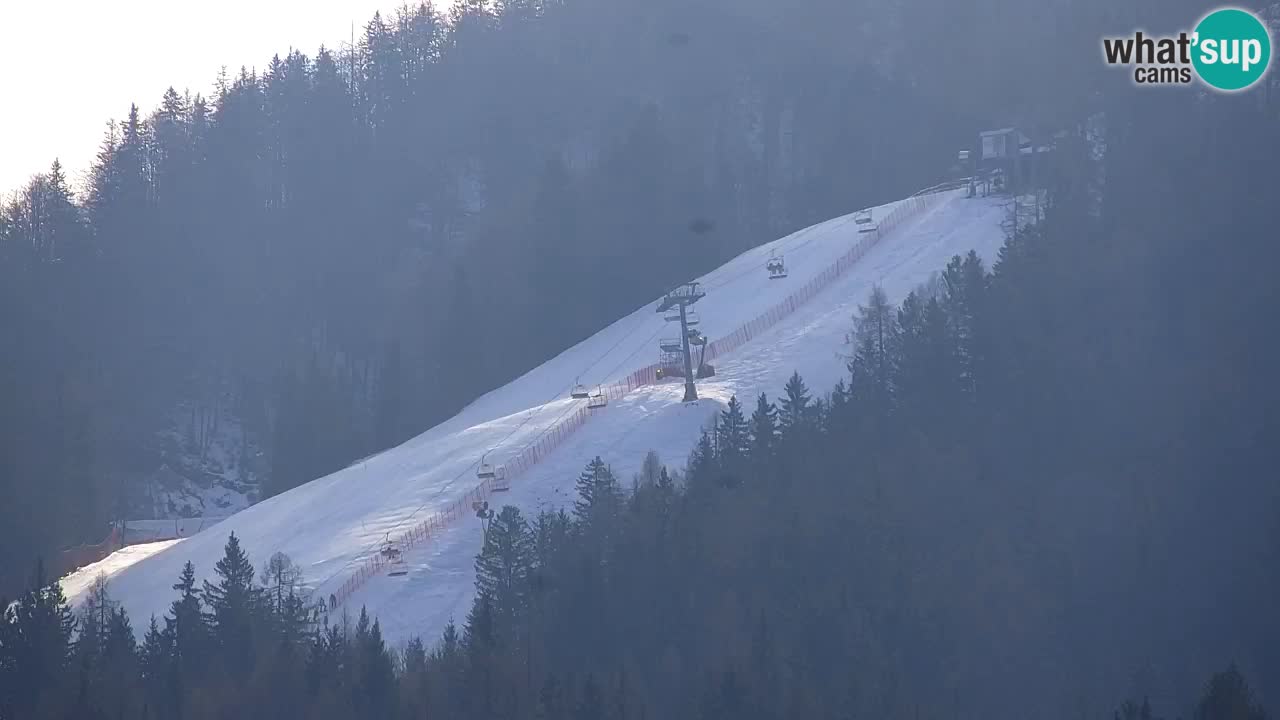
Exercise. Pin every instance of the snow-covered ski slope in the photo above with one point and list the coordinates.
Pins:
(332, 525)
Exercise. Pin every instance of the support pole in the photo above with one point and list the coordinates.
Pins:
(690, 390)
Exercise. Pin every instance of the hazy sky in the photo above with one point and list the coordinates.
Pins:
(71, 65)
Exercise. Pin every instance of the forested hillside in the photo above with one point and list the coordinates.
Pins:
(343, 247)
(1044, 487)
(334, 250)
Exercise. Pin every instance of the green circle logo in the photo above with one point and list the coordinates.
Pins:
(1232, 49)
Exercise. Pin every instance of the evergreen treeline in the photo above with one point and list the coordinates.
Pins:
(578, 615)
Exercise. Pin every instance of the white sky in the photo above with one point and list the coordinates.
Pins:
(68, 66)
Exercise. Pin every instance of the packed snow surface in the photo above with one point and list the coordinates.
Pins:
(329, 525)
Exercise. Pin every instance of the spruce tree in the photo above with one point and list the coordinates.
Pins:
(415, 656)
(704, 464)
(376, 677)
(231, 604)
(186, 628)
(481, 645)
(964, 299)
(764, 429)
(599, 497)
(1228, 697)
(504, 568)
(733, 440)
(795, 412)
(159, 670)
(41, 628)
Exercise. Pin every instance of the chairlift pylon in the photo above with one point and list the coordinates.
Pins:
(686, 294)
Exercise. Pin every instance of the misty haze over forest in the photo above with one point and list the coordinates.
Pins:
(1045, 486)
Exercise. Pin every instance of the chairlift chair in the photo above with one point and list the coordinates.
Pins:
(390, 551)
(776, 267)
(670, 365)
(671, 345)
(862, 219)
(395, 559)
(672, 315)
(598, 400)
(486, 470)
(499, 482)
(691, 318)
(579, 392)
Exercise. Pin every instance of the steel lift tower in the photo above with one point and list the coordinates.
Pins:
(681, 298)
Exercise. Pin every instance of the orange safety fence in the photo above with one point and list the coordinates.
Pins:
(74, 558)
(556, 434)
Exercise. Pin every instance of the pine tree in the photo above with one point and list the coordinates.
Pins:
(504, 568)
(1228, 697)
(795, 413)
(872, 366)
(324, 663)
(733, 440)
(764, 429)
(231, 603)
(159, 671)
(704, 463)
(650, 468)
(186, 630)
(376, 677)
(925, 380)
(964, 299)
(41, 627)
(415, 656)
(415, 680)
(599, 498)
(481, 645)
(117, 673)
